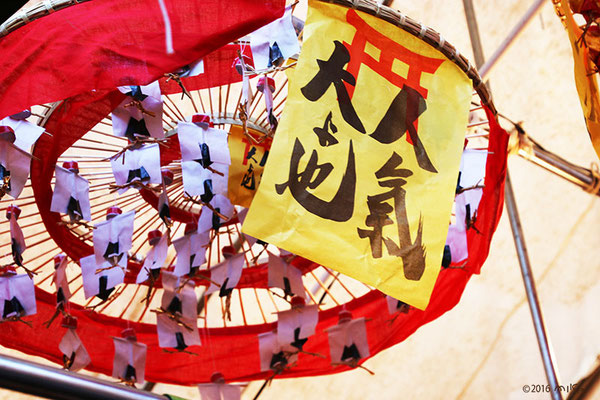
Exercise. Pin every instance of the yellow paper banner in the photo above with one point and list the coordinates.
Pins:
(247, 163)
(585, 77)
(364, 164)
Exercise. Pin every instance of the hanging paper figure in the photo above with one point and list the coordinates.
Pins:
(295, 326)
(191, 250)
(244, 65)
(129, 364)
(348, 341)
(177, 317)
(396, 306)
(285, 276)
(63, 294)
(469, 189)
(164, 212)
(17, 240)
(14, 164)
(101, 279)
(275, 42)
(266, 85)
(17, 296)
(274, 354)
(71, 193)
(219, 390)
(215, 213)
(75, 356)
(140, 114)
(155, 258)
(25, 133)
(112, 238)
(205, 157)
(194, 69)
(137, 167)
(225, 276)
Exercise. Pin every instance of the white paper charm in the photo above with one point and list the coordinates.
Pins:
(274, 354)
(155, 259)
(395, 305)
(63, 293)
(14, 169)
(26, 133)
(209, 220)
(273, 43)
(71, 195)
(130, 360)
(226, 275)
(129, 121)
(177, 322)
(285, 276)
(17, 296)
(191, 252)
(296, 325)
(348, 342)
(74, 353)
(102, 283)
(220, 391)
(137, 165)
(112, 238)
(17, 239)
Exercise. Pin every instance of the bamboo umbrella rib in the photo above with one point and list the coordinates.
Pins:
(137, 289)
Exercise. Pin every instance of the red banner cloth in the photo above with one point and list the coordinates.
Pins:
(103, 44)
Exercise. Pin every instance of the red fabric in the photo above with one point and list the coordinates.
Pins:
(488, 216)
(233, 350)
(103, 44)
(32, 57)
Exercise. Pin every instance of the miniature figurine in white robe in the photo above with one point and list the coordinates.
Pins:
(101, 279)
(112, 238)
(191, 250)
(275, 42)
(295, 326)
(75, 355)
(219, 390)
(211, 220)
(176, 322)
(468, 195)
(140, 114)
(274, 354)
(15, 164)
(205, 158)
(285, 276)
(129, 364)
(155, 258)
(225, 276)
(71, 193)
(17, 296)
(348, 340)
(26, 133)
(17, 239)
(137, 167)
(396, 306)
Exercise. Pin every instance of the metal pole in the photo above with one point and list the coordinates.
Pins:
(54, 383)
(484, 71)
(513, 214)
(532, 298)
